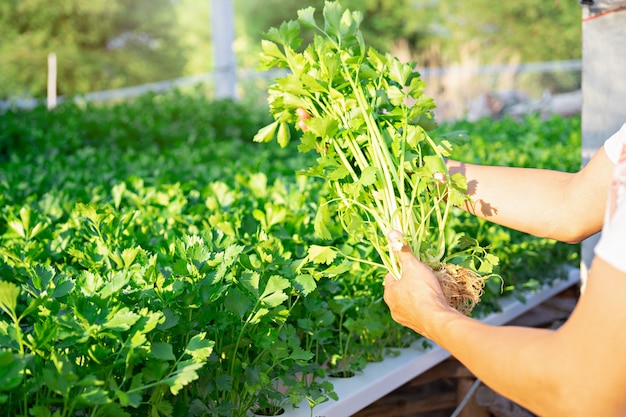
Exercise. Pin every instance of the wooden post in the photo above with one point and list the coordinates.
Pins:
(465, 388)
(52, 81)
(498, 405)
(224, 62)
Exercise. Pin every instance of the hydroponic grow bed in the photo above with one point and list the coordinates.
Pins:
(380, 378)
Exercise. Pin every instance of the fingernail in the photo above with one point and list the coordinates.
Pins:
(396, 240)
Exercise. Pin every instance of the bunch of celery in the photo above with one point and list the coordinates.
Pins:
(366, 114)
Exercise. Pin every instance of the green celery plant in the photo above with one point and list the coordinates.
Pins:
(370, 122)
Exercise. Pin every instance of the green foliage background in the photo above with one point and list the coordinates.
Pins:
(99, 44)
(534, 30)
(153, 259)
(502, 29)
(105, 44)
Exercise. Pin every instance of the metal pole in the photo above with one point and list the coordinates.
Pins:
(224, 62)
(603, 84)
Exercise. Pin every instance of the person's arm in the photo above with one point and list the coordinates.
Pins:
(578, 370)
(564, 206)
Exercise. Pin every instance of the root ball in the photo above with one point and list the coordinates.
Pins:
(462, 287)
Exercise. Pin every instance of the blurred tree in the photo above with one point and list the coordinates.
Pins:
(103, 44)
(100, 44)
(534, 30)
(386, 23)
(194, 33)
(531, 30)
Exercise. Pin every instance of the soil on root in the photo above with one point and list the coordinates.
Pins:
(462, 287)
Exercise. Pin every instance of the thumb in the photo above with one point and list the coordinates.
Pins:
(399, 245)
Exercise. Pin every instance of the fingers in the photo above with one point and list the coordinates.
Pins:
(389, 280)
(388, 289)
(396, 240)
(402, 250)
(303, 115)
(399, 245)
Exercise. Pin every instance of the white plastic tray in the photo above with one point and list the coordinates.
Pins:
(380, 378)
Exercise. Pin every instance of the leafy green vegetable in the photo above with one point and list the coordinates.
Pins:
(370, 123)
(150, 209)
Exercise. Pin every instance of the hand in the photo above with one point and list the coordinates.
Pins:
(416, 299)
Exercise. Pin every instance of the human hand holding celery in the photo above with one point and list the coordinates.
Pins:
(416, 298)
(366, 115)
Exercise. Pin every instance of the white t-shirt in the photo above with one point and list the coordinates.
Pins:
(612, 244)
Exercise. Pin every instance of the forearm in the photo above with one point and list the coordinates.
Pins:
(557, 205)
(514, 361)
(576, 370)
